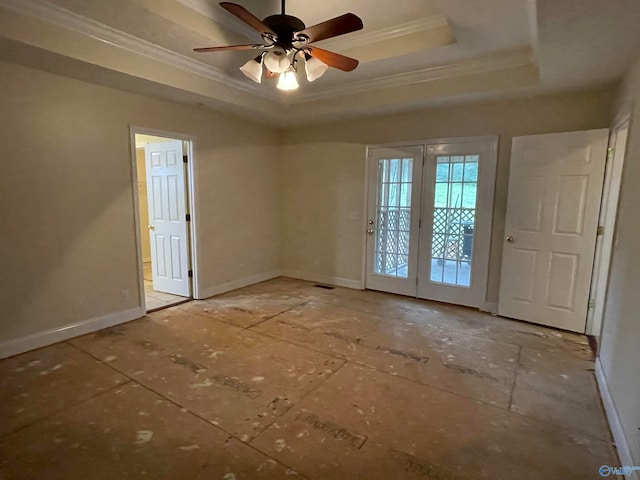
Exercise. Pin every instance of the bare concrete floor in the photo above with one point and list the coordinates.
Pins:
(283, 379)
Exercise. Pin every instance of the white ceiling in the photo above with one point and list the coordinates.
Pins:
(412, 52)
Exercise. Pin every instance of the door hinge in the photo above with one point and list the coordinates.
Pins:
(188, 217)
(592, 303)
(190, 273)
(185, 159)
(610, 153)
(419, 223)
(600, 230)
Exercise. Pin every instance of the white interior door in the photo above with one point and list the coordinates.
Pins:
(555, 185)
(393, 218)
(457, 206)
(166, 194)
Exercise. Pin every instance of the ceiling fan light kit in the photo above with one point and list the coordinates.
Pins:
(315, 68)
(253, 69)
(287, 38)
(288, 81)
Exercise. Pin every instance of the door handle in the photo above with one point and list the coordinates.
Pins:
(151, 227)
(370, 222)
(509, 239)
(370, 231)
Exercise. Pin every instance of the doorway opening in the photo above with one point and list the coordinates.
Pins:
(163, 197)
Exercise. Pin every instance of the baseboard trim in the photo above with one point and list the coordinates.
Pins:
(622, 446)
(489, 307)
(320, 278)
(236, 284)
(55, 335)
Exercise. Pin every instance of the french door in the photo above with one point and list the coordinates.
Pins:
(429, 224)
(394, 218)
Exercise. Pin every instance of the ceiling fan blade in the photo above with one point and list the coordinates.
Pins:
(247, 17)
(335, 60)
(346, 23)
(228, 47)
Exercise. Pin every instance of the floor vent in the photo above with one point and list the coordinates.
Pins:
(326, 287)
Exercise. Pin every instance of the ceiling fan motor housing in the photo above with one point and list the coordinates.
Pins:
(284, 26)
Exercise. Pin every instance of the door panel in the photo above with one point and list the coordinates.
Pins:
(393, 218)
(167, 218)
(555, 185)
(456, 227)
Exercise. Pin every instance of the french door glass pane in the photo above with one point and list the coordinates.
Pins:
(393, 215)
(455, 195)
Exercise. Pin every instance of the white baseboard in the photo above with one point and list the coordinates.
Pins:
(320, 278)
(235, 284)
(622, 446)
(489, 307)
(55, 335)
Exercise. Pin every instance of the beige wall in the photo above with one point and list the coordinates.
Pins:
(67, 252)
(620, 341)
(323, 171)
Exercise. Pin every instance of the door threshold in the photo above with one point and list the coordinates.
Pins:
(169, 305)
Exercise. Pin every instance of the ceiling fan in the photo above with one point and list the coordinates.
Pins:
(287, 39)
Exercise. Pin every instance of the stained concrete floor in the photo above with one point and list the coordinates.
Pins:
(285, 379)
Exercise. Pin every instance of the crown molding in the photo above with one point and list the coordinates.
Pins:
(218, 15)
(502, 61)
(366, 37)
(56, 15)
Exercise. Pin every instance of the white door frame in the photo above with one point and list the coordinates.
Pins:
(192, 225)
(426, 143)
(616, 155)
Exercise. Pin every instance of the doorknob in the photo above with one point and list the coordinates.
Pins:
(370, 231)
(151, 227)
(509, 239)
(370, 222)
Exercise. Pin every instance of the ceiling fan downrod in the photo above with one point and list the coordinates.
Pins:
(283, 7)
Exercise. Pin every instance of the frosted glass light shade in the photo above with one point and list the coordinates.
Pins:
(277, 61)
(253, 70)
(288, 81)
(315, 68)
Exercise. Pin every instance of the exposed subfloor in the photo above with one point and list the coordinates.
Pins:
(284, 378)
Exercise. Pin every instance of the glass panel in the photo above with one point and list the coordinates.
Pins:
(436, 270)
(405, 195)
(439, 220)
(456, 171)
(382, 171)
(441, 195)
(394, 170)
(454, 219)
(442, 172)
(394, 195)
(455, 194)
(393, 217)
(407, 169)
(471, 171)
(469, 195)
